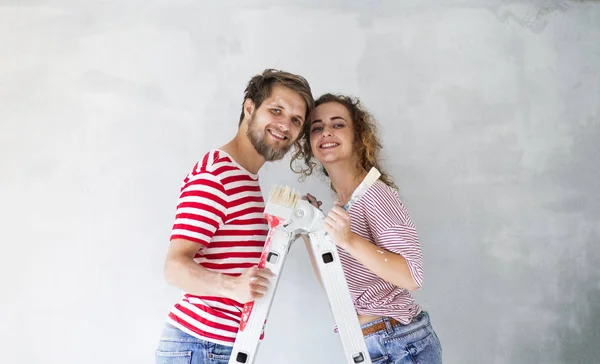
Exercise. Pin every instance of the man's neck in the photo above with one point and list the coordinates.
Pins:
(243, 152)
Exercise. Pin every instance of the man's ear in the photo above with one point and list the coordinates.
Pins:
(248, 108)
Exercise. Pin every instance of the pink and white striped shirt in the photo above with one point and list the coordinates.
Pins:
(380, 217)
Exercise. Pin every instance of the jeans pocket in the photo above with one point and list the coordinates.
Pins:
(376, 349)
(219, 358)
(173, 357)
(426, 350)
(219, 354)
(379, 360)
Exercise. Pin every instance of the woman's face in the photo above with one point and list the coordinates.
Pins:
(332, 134)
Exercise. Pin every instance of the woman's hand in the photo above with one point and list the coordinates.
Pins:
(337, 225)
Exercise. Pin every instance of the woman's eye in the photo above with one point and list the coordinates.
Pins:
(315, 129)
(276, 111)
(338, 126)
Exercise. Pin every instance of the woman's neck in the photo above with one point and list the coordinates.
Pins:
(345, 178)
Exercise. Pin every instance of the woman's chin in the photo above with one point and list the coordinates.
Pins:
(328, 160)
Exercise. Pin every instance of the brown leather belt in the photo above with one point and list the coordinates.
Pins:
(378, 327)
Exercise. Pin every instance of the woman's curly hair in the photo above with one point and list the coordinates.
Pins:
(366, 139)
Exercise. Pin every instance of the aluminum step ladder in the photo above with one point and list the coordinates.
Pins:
(304, 218)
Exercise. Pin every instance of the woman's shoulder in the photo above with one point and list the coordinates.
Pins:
(384, 202)
(381, 192)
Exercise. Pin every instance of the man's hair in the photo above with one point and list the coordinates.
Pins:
(260, 86)
(366, 139)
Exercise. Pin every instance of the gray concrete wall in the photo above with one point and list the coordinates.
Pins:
(490, 118)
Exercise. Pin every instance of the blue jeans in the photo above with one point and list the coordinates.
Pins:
(415, 343)
(178, 347)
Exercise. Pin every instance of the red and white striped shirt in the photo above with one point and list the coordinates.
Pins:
(221, 208)
(380, 217)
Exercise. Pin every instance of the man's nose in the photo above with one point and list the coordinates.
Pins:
(284, 125)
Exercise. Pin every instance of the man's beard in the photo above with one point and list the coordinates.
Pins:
(258, 140)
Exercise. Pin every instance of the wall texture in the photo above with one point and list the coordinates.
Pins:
(489, 113)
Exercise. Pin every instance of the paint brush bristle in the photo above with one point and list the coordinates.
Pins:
(282, 201)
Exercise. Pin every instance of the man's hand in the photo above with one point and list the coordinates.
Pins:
(252, 284)
(312, 200)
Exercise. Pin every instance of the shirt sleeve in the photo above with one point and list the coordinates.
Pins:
(393, 230)
(201, 208)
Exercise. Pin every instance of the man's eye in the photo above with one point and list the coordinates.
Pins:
(276, 111)
(296, 121)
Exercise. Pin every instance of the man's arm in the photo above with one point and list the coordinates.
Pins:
(182, 271)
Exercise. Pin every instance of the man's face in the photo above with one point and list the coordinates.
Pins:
(275, 125)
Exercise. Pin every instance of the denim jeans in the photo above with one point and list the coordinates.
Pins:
(415, 343)
(178, 347)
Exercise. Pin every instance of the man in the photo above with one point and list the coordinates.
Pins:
(219, 229)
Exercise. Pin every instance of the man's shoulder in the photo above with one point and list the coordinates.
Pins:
(220, 168)
(215, 161)
(209, 168)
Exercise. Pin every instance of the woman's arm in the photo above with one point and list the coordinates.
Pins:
(390, 266)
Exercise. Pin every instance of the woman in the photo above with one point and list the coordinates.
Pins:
(376, 238)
